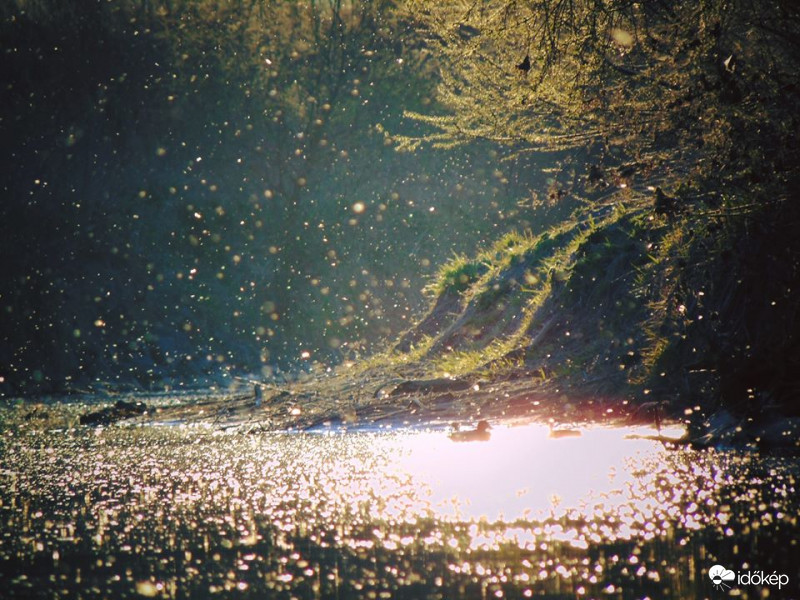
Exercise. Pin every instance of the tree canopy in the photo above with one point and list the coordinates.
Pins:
(645, 76)
(196, 187)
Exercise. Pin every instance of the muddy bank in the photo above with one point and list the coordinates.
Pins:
(369, 401)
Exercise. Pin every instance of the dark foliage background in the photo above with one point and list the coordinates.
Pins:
(192, 189)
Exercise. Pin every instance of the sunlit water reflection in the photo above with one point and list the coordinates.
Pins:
(194, 512)
(523, 473)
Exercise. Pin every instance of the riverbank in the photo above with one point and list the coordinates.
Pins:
(370, 401)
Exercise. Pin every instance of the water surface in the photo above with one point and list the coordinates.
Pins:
(194, 512)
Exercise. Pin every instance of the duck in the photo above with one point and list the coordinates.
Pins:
(479, 434)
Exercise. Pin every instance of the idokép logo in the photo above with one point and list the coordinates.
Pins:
(720, 577)
(723, 579)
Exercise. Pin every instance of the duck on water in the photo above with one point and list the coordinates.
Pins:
(479, 434)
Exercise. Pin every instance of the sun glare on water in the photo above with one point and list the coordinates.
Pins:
(522, 473)
(527, 510)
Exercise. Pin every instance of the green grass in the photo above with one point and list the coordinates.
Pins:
(456, 275)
